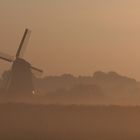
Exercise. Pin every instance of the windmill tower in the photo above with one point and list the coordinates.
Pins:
(20, 78)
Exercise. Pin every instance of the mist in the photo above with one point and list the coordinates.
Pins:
(88, 53)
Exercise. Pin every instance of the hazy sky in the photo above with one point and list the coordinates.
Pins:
(74, 36)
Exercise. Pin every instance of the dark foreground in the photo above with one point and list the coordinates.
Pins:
(40, 122)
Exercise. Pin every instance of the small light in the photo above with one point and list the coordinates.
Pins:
(33, 92)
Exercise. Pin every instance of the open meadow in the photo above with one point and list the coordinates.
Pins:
(52, 122)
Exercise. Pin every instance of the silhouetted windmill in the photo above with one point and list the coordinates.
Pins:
(20, 79)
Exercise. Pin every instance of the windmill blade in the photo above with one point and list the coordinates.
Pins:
(23, 43)
(36, 71)
(6, 57)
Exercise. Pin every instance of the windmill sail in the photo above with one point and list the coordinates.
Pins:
(36, 71)
(6, 57)
(23, 44)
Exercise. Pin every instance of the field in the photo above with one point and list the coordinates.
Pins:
(52, 122)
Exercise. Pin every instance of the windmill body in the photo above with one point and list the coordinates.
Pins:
(20, 79)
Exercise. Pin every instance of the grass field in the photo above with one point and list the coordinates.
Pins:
(43, 122)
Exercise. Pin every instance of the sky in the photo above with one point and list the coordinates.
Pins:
(74, 36)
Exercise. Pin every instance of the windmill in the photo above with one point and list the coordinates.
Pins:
(20, 77)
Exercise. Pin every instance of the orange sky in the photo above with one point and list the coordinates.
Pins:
(74, 36)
